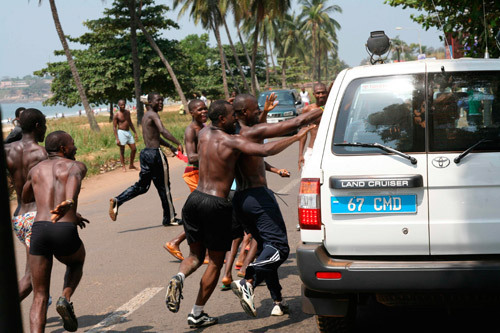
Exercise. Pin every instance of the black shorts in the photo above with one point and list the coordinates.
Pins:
(59, 239)
(207, 219)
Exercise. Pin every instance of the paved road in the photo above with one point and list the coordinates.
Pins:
(127, 269)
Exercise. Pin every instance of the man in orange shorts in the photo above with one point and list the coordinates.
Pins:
(198, 111)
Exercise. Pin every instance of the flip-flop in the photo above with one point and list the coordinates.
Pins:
(225, 287)
(238, 265)
(241, 274)
(176, 253)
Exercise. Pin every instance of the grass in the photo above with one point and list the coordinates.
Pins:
(98, 150)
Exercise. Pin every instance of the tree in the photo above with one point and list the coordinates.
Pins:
(316, 18)
(105, 62)
(90, 115)
(207, 12)
(162, 57)
(135, 59)
(259, 9)
(466, 20)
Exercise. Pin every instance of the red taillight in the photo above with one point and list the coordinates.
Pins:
(309, 204)
(329, 275)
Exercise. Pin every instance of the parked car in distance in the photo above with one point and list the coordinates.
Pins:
(289, 105)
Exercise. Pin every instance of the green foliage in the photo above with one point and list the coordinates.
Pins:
(463, 19)
(105, 66)
(99, 150)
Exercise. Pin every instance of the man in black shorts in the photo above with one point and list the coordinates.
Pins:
(207, 213)
(55, 184)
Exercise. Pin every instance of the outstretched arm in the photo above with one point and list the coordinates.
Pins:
(166, 134)
(271, 148)
(281, 172)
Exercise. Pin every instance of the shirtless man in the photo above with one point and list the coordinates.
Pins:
(198, 111)
(257, 207)
(21, 156)
(55, 184)
(321, 95)
(121, 126)
(154, 165)
(207, 213)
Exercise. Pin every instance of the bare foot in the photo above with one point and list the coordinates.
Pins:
(132, 167)
(124, 169)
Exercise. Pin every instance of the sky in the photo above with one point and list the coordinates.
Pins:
(29, 38)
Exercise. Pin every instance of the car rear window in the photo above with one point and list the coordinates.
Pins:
(464, 108)
(381, 110)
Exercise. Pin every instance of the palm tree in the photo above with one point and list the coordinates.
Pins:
(136, 65)
(90, 114)
(289, 42)
(207, 12)
(316, 17)
(162, 57)
(235, 5)
(259, 9)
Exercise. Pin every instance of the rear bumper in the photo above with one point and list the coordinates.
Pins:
(369, 276)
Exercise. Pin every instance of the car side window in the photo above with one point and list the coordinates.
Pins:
(464, 108)
(385, 110)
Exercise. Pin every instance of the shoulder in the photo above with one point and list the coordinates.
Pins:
(309, 107)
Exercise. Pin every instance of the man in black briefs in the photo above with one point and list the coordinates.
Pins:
(154, 165)
(257, 207)
(207, 213)
(55, 184)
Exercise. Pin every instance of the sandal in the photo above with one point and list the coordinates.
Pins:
(238, 265)
(241, 274)
(176, 253)
(226, 283)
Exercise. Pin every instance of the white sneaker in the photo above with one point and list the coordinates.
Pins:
(245, 294)
(279, 309)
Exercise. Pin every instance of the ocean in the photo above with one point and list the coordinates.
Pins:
(9, 109)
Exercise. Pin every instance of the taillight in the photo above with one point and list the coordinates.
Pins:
(309, 204)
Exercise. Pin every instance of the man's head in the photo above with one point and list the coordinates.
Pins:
(60, 143)
(19, 111)
(303, 88)
(320, 93)
(198, 110)
(222, 115)
(247, 109)
(155, 101)
(121, 105)
(33, 121)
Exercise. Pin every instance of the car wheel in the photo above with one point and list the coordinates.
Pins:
(330, 324)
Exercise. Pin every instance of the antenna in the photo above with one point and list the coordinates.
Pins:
(441, 28)
(486, 53)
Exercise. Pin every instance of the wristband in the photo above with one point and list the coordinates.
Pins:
(70, 201)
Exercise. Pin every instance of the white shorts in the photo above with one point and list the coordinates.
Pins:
(125, 137)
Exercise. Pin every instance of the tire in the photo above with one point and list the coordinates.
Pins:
(329, 324)
(333, 324)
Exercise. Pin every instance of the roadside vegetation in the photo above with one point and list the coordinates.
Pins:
(98, 150)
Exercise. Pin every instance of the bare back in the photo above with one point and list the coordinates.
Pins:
(53, 181)
(217, 160)
(21, 157)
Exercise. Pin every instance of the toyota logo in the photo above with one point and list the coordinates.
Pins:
(441, 162)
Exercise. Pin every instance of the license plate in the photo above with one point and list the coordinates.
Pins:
(272, 121)
(374, 204)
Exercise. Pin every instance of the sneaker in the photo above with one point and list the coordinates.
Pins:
(202, 320)
(113, 208)
(174, 294)
(176, 221)
(279, 309)
(65, 310)
(244, 291)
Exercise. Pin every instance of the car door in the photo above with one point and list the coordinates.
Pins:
(374, 202)
(464, 110)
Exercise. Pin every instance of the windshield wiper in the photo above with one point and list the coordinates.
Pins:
(412, 159)
(471, 148)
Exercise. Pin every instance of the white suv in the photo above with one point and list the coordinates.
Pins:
(401, 195)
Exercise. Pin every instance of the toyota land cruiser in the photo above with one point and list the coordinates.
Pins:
(399, 200)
